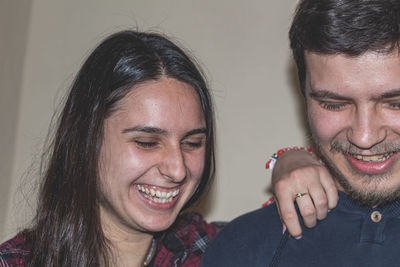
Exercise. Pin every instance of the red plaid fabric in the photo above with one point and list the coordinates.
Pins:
(14, 252)
(184, 244)
(181, 246)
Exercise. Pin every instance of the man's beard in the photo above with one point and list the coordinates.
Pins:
(366, 195)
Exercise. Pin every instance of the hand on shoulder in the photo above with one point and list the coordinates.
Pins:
(299, 176)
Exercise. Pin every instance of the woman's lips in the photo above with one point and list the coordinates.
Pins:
(158, 197)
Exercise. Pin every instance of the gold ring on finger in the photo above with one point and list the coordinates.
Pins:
(301, 194)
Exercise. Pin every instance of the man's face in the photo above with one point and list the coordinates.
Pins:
(353, 108)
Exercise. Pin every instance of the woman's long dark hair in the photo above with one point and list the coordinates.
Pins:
(67, 229)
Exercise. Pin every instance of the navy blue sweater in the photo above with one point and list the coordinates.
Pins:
(351, 235)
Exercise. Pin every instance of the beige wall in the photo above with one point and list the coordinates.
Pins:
(242, 44)
(14, 17)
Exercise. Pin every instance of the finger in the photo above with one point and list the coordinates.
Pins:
(319, 199)
(288, 212)
(284, 228)
(307, 210)
(330, 188)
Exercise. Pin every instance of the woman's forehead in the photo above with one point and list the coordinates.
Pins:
(163, 103)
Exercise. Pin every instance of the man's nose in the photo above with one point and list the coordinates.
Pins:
(367, 128)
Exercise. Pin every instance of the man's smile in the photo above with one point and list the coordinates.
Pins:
(372, 164)
(373, 158)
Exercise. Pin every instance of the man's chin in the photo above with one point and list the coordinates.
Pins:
(371, 184)
(368, 189)
(369, 193)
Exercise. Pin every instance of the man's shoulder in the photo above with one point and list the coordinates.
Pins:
(261, 221)
(249, 239)
(15, 251)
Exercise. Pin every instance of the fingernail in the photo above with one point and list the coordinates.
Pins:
(298, 237)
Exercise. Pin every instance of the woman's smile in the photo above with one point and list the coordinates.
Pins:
(151, 162)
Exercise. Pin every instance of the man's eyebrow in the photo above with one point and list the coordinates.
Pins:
(390, 94)
(145, 129)
(196, 131)
(327, 94)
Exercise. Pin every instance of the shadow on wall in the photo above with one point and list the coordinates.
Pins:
(14, 22)
(293, 82)
(205, 204)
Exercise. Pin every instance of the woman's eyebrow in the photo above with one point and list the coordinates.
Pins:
(196, 131)
(146, 129)
(156, 130)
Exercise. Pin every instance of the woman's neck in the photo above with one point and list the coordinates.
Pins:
(128, 247)
(130, 251)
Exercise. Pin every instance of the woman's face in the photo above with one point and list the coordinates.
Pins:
(152, 156)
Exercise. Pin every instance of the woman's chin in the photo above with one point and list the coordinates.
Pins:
(158, 226)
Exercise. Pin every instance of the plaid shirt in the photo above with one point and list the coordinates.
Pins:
(14, 252)
(186, 241)
(181, 246)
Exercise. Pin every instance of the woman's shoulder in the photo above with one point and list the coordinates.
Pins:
(186, 241)
(15, 251)
(188, 225)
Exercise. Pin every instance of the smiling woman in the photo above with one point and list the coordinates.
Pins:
(134, 147)
(150, 162)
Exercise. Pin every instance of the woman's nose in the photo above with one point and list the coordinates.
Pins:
(173, 165)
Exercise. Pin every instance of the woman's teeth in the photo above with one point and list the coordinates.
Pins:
(373, 158)
(156, 195)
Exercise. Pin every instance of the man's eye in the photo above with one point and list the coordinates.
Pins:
(146, 144)
(394, 105)
(332, 105)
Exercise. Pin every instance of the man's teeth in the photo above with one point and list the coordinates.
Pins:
(156, 195)
(373, 158)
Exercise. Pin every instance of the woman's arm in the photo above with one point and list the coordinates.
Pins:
(298, 176)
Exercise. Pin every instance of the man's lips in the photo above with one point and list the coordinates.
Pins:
(373, 158)
(372, 164)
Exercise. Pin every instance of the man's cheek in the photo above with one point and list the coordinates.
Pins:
(326, 128)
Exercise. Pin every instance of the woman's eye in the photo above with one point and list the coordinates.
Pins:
(192, 145)
(146, 144)
(334, 106)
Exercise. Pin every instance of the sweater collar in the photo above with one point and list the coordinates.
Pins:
(348, 204)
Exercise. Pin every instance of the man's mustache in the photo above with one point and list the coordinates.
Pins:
(338, 146)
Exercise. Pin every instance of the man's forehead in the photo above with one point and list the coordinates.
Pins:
(371, 73)
(368, 55)
(384, 54)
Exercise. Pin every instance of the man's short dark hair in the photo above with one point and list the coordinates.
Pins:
(350, 27)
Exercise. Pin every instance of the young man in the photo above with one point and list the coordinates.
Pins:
(347, 54)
